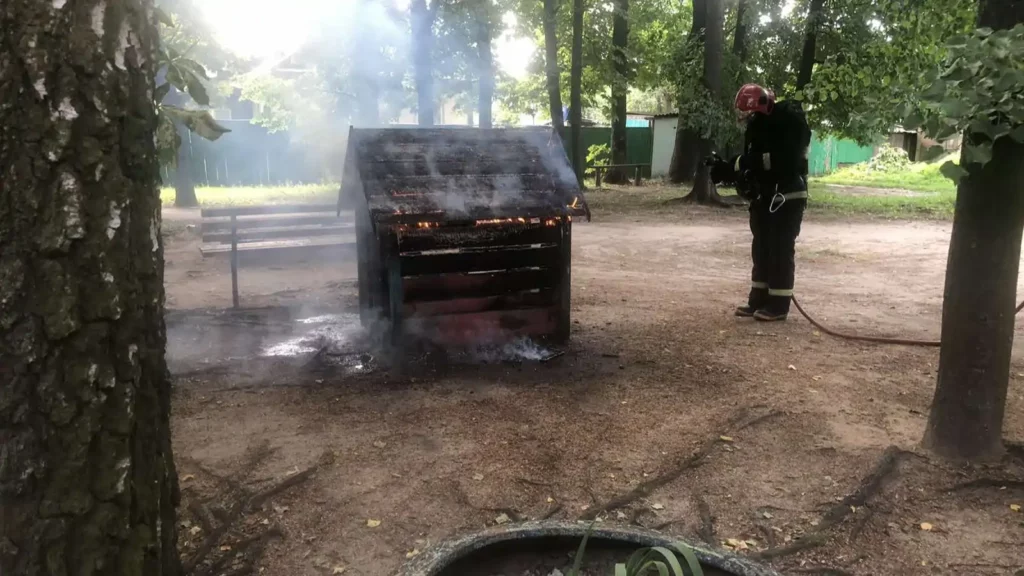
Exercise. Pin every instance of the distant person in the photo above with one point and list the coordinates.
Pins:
(771, 173)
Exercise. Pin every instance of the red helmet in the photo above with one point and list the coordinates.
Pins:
(753, 98)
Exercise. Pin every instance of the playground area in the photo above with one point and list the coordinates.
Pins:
(751, 437)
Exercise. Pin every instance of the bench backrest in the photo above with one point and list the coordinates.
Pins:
(276, 222)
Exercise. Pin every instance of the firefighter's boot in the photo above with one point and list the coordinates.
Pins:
(757, 299)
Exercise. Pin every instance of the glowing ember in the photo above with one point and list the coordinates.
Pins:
(495, 221)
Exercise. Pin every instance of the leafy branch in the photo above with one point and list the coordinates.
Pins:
(188, 77)
(979, 92)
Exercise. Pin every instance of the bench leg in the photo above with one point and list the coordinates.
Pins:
(234, 262)
(597, 174)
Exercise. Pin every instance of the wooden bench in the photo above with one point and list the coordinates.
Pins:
(638, 170)
(248, 229)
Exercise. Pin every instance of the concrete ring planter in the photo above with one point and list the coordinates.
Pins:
(486, 549)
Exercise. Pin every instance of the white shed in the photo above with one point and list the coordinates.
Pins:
(664, 137)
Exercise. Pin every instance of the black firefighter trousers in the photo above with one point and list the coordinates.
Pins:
(773, 251)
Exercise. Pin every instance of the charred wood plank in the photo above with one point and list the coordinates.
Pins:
(485, 261)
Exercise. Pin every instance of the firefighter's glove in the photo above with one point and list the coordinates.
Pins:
(721, 171)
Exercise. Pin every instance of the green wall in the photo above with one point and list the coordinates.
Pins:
(827, 155)
(639, 143)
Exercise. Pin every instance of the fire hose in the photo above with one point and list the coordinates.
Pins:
(875, 339)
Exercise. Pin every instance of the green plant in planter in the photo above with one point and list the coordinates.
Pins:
(661, 561)
(657, 560)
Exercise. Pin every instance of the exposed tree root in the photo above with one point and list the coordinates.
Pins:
(740, 421)
(551, 512)
(244, 504)
(988, 483)
(707, 521)
(887, 466)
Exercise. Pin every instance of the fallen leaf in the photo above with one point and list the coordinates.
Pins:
(293, 471)
(225, 548)
(188, 477)
(338, 570)
(550, 499)
(926, 526)
(791, 367)
(853, 509)
(658, 506)
(265, 521)
(502, 519)
(725, 438)
(767, 515)
(379, 444)
(736, 544)
(816, 378)
(620, 515)
(195, 530)
(1015, 507)
(478, 476)
(411, 553)
(373, 523)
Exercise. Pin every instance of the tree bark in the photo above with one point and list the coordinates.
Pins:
(422, 41)
(184, 184)
(814, 17)
(551, 65)
(739, 38)
(704, 190)
(576, 90)
(366, 73)
(686, 149)
(486, 72)
(966, 419)
(87, 479)
(620, 86)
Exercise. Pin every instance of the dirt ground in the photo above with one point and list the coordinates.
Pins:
(657, 368)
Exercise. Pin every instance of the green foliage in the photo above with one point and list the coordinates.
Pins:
(188, 77)
(876, 56)
(917, 177)
(276, 100)
(598, 155)
(979, 92)
(889, 159)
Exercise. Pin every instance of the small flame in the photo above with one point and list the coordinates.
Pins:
(551, 222)
(427, 224)
(494, 221)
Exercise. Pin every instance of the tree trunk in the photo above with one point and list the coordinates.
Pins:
(739, 38)
(366, 72)
(422, 42)
(620, 86)
(184, 184)
(686, 150)
(704, 191)
(814, 17)
(486, 73)
(87, 480)
(576, 90)
(551, 65)
(966, 420)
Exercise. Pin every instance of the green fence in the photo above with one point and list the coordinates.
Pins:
(639, 143)
(829, 154)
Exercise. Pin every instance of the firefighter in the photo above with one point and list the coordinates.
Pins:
(771, 173)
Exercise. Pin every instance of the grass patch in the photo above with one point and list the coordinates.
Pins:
(923, 177)
(927, 205)
(650, 199)
(222, 196)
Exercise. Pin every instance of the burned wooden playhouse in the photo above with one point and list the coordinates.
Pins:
(463, 235)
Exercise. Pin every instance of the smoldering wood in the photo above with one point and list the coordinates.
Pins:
(463, 234)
